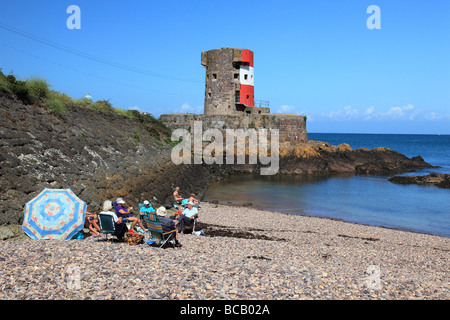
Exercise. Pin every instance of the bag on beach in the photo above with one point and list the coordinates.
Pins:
(133, 238)
(199, 233)
(79, 235)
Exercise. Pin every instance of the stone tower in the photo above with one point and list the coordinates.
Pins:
(229, 85)
(230, 100)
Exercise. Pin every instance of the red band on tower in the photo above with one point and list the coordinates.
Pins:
(247, 57)
(247, 95)
(247, 89)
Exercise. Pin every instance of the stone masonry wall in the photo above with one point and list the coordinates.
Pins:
(221, 83)
(292, 127)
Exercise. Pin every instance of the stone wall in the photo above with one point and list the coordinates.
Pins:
(292, 127)
(221, 83)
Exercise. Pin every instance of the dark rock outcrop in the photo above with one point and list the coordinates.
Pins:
(434, 179)
(317, 157)
(103, 156)
(98, 155)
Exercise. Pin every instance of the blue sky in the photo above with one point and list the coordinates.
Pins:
(317, 58)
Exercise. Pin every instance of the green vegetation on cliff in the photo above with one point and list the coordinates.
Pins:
(36, 90)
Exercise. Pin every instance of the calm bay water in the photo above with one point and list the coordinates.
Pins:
(370, 200)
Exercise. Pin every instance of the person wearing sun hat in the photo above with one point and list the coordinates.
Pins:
(146, 208)
(167, 224)
(126, 214)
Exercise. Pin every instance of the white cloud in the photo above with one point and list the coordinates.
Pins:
(134, 108)
(286, 109)
(291, 109)
(407, 112)
(400, 113)
(369, 113)
(346, 114)
(433, 116)
(187, 108)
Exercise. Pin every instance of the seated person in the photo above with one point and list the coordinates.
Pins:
(193, 200)
(91, 221)
(176, 195)
(126, 214)
(167, 224)
(120, 227)
(146, 208)
(187, 217)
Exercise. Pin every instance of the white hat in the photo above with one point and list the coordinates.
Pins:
(161, 211)
(146, 202)
(120, 200)
(191, 203)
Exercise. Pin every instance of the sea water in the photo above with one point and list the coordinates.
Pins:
(364, 199)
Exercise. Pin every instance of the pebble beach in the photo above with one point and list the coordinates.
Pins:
(245, 254)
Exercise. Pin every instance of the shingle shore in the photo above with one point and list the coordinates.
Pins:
(313, 258)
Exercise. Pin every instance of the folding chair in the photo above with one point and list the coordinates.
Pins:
(106, 224)
(156, 232)
(194, 224)
(114, 204)
(141, 216)
(180, 205)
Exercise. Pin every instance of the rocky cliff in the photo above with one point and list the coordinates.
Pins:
(317, 157)
(102, 155)
(98, 155)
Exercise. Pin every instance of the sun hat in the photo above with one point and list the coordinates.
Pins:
(120, 201)
(161, 211)
(191, 203)
(146, 202)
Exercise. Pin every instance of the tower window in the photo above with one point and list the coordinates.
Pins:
(246, 76)
(215, 76)
(236, 75)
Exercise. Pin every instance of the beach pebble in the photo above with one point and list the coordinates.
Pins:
(298, 258)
